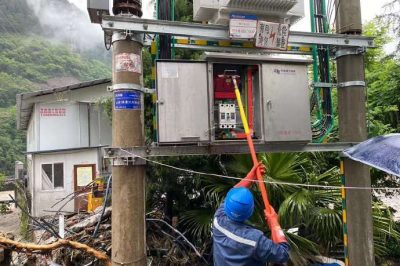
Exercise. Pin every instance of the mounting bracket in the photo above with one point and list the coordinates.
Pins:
(349, 51)
(353, 83)
(130, 86)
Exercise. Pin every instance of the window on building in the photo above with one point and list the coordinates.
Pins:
(52, 176)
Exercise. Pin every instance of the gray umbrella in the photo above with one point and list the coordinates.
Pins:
(381, 152)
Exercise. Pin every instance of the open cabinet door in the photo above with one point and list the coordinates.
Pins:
(286, 102)
(182, 102)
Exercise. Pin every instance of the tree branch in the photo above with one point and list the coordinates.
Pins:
(11, 244)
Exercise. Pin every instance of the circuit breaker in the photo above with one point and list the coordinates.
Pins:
(227, 115)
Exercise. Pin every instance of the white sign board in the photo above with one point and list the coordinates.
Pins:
(272, 35)
(242, 26)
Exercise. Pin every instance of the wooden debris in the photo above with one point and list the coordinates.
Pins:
(91, 220)
(28, 247)
(164, 245)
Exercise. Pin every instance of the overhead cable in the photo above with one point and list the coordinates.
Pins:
(264, 181)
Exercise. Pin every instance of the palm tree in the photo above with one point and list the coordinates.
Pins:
(311, 217)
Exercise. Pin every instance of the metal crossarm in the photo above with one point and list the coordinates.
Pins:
(217, 32)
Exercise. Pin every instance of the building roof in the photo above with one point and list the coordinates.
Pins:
(26, 101)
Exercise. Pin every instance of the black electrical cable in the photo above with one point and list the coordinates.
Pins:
(104, 206)
(320, 129)
(165, 40)
(47, 228)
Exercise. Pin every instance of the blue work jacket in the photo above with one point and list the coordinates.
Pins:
(238, 244)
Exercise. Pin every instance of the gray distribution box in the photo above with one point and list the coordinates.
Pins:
(187, 111)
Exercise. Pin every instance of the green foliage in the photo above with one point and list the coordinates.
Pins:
(4, 208)
(26, 63)
(174, 191)
(17, 18)
(183, 10)
(315, 214)
(2, 180)
(383, 79)
(12, 141)
(385, 229)
(23, 202)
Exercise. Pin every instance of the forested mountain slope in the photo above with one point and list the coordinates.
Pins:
(40, 48)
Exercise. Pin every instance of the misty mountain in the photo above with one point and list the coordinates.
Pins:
(16, 17)
(56, 20)
(43, 44)
(64, 22)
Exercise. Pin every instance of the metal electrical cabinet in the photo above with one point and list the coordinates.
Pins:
(182, 101)
(286, 101)
(197, 104)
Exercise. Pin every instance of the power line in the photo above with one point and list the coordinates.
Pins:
(256, 181)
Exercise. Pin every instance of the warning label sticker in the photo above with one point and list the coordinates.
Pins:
(128, 62)
(169, 71)
(271, 35)
(242, 26)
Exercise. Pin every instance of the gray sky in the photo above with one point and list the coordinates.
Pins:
(369, 9)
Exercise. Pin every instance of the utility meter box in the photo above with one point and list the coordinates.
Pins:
(197, 102)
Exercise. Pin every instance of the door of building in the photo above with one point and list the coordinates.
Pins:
(84, 174)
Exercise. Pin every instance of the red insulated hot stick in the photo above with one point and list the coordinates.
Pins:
(260, 182)
(260, 179)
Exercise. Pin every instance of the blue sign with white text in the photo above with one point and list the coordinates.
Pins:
(242, 16)
(127, 100)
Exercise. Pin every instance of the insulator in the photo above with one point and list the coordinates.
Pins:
(127, 7)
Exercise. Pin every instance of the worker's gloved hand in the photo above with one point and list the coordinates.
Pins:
(277, 235)
(247, 181)
(262, 168)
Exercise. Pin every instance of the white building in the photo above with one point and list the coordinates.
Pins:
(66, 129)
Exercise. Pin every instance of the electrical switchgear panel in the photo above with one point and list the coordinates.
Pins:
(197, 101)
(226, 123)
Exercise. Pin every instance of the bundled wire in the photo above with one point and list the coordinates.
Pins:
(323, 126)
(104, 207)
(164, 13)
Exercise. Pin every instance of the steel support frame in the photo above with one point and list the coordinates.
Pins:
(233, 49)
(179, 150)
(218, 32)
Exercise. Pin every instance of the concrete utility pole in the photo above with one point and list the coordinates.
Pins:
(128, 197)
(353, 127)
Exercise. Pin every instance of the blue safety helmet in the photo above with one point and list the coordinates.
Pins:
(239, 204)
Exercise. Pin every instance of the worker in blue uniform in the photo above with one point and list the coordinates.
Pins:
(238, 244)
